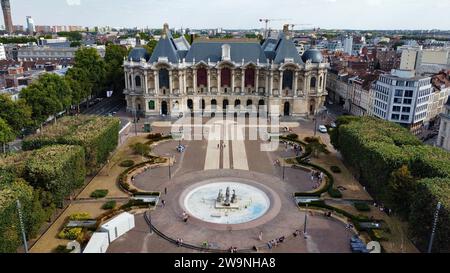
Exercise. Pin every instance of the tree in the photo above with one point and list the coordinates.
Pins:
(141, 149)
(315, 146)
(49, 95)
(6, 134)
(16, 113)
(114, 72)
(89, 60)
(401, 187)
(79, 83)
(150, 46)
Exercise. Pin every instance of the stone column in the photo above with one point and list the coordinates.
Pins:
(219, 80)
(126, 80)
(257, 81)
(132, 83)
(243, 81)
(170, 82)
(208, 81)
(195, 81)
(266, 90)
(280, 84)
(180, 82)
(184, 91)
(295, 83)
(232, 80)
(145, 82)
(156, 75)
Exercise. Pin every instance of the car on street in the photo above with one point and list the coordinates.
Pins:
(333, 125)
(323, 129)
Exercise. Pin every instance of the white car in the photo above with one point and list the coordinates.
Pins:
(323, 129)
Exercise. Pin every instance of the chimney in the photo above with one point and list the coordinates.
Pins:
(226, 52)
(165, 30)
(138, 40)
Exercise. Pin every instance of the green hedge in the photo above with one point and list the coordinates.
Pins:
(97, 135)
(58, 169)
(126, 163)
(429, 193)
(109, 205)
(121, 179)
(377, 150)
(361, 206)
(99, 194)
(12, 189)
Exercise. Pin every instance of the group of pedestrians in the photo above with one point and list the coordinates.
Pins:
(317, 178)
(221, 146)
(185, 217)
(274, 243)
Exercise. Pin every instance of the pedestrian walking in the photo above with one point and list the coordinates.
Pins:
(260, 237)
(165, 191)
(163, 203)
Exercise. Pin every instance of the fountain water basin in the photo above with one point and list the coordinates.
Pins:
(250, 203)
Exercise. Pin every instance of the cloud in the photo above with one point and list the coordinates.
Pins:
(73, 2)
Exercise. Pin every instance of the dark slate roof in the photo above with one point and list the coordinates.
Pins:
(312, 54)
(137, 53)
(165, 48)
(249, 51)
(280, 49)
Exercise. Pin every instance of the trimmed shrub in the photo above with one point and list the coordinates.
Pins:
(389, 161)
(109, 205)
(156, 136)
(99, 194)
(126, 163)
(141, 149)
(335, 169)
(292, 136)
(334, 193)
(81, 216)
(429, 192)
(11, 190)
(61, 249)
(70, 233)
(58, 169)
(97, 135)
(361, 206)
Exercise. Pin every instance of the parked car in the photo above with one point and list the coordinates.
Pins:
(333, 125)
(323, 129)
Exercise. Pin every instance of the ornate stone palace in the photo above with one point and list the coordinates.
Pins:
(211, 75)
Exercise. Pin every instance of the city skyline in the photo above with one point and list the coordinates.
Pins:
(327, 14)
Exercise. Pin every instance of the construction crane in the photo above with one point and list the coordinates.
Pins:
(267, 21)
(293, 25)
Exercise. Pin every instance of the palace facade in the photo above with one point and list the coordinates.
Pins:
(211, 75)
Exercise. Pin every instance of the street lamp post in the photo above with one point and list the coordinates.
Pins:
(24, 237)
(135, 122)
(306, 221)
(150, 222)
(436, 216)
(170, 171)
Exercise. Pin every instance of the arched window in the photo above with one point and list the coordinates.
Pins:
(288, 79)
(163, 78)
(320, 82)
(137, 80)
(130, 81)
(313, 82)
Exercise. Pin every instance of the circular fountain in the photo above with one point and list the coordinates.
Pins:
(226, 203)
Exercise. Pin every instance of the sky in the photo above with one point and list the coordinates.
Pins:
(237, 14)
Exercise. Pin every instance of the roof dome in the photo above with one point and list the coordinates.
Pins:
(312, 54)
(137, 53)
